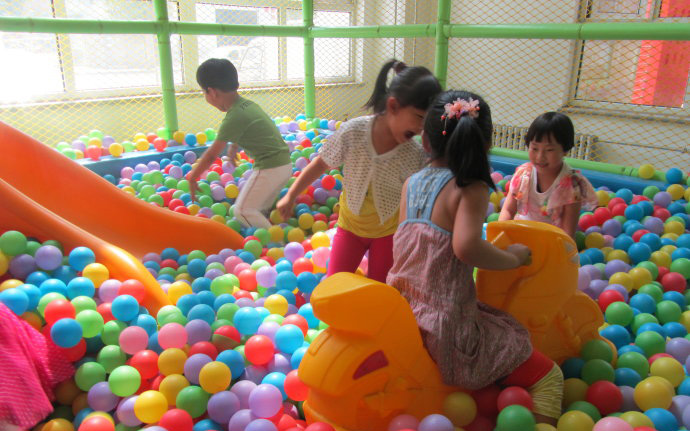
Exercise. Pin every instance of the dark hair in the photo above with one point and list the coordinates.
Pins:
(552, 125)
(415, 86)
(463, 143)
(217, 73)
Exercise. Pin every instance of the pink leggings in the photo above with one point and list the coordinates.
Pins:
(348, 250)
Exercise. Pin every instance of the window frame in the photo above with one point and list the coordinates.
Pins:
(590, 15)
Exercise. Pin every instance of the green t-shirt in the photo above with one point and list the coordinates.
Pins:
(248, 126)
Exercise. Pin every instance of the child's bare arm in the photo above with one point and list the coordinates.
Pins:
(509, 208)
(204, 163)
(310, 174)
(571, 214)
(468, 244)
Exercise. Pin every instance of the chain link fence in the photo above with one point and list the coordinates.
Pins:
(628, 99)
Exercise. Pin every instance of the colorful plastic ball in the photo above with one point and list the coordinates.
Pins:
(668, 311)
(172, 335)
(125, 308)
(289, 338)
(616, 334)
(171, 361)
(97, 423)
(66, 333)
(627, 377)
(124, 381)
(575, 420)
(215, 377)
(403, 422)
(662, 419)
(176, 419)
(674, 176)
(133, 339)
(150, 406)
(514, 395)
(437, 422)
(265, 401)
(259, 349)
(247, 320)
(651, 342)
(193, 400)
(669, 369)
(619, 313)
(612, 424)
(596, 349)
(16, 300)
(276, 304)
(653, 392)
(681, 266)
(646, 171)
(605, 396)
(222, 406)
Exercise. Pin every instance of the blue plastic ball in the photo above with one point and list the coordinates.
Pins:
(206, 425)
(80, 286)
(170, 253)
(190, 139)
(307, 282)
(675, 330)
(125, 308)
(289, 338)
(206, 297)
(66, 333)
(201, 284)
(307, 312)
(202, 312)
(36, 278)
(286, 280)
(652, 240)
(223, 299)
(616, 334)
(33, 293)
(623, 242)
(247, 320)
(630, 348)
(196, 268)
(186, 302)
(80, 257)
(15, 299)
(572, 368)
(651, 326)
(147, 322)
(674, 176)
(627, 377)
(296, 357)
(625, 194)
(643, 302)
(662, 419)
(234, 360)
(639, 252)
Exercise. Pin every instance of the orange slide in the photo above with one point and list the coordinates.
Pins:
(46, 195)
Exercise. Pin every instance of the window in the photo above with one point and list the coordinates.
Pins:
(268, 60)
(646, 76)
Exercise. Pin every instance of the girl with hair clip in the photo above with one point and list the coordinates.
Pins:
(377, 154)
(436, 248)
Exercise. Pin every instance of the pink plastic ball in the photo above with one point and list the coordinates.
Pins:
(172, 335)
(133, 339)
(612, 423)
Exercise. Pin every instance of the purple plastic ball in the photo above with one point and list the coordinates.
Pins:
(280, 364)
(22, 265)
(612, 227)
(125, 411)
(261, 425)
(266, 400)
(242, 389)
(679, 348)
(48, 257)
(679, 404)
(435, 423)
(654, 225)
(222, 406)
(101, 398)
(663, 199)
(193, 366)
(629, 403)
(240, 420)
(189, 156)
(268, 329)
(583, 279)
(615, 266)
(213, 273)
(198, 330)
(254, 373)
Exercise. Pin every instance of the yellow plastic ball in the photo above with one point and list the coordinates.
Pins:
(8, 284)
(640, 276)
(101, 414)
(201, 138)
(171, 361)
(129, 190)
(618, 255)
(178, 289)
(275, 253)
(275, 217)
(623, 279)
(460, 408)
(295, 235)
(66, 392)
(653, 392)
(660, 258)
(305, 221)
(495, 198)
(606, 251)
(320, 239)
(594, 240)
(4, 263)
(231, 190)
(116, 149)
(545, 427)
(676, 191)
(686, 195)
(319, 226)
(637, 419)
(218, 218)
(96, 272)
(79, 154)
(575, 420)
(215, 377)
(58, 425)
(150, 406)
(302, 124)
(171, 386)
(286, 119)
(338, 124)
(178, 137)
(139, 136)
(193, 209)
(685, 320)
(603, 197)
(669, 369)
(671, 236)
(142, 145)
(182, 277)
(574, 390)
(276, 233)
(674, 227)
(646, 171)
(95, 141)
(668, 249)
(276, 304)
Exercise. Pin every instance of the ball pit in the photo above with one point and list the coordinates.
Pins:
(185, 367)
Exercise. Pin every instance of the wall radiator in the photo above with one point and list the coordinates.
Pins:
(513, 138)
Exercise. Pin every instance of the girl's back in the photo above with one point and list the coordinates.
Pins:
(471, 342)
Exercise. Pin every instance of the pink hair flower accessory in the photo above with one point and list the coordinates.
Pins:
(460, 107)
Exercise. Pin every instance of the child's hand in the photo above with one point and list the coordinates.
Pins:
(232, 155)
(285, 205)
(522, 254)
(193, 188)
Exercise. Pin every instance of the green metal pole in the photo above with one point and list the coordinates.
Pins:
(309, 78)
(608, 168)
(166, 66)
(375, 31)
(441, 57)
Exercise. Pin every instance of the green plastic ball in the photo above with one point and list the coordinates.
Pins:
(681, 266)
(88, 374)
(585, 407)
(193, 400)
(263, 235)
(597, 369)
(652, 290)
(254, 247)
(13, 243)
(619, 313)
(111, 332)
(91, 323)
(47, 299)
(224, 284)
(227, 311)
(635, 361)
(668, 311)
(515, 418)
(111, 357)
(597, 349)
(641, 319)
(124, 381)
(651, 267)
(651, 343)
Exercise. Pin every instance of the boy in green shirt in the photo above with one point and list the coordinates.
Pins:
(247, 126)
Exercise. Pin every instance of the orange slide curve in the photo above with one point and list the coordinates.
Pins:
(46, 195)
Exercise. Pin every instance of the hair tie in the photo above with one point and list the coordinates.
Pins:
(458, 108)
(399, 66)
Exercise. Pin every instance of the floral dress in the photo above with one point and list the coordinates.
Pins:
(569, 187)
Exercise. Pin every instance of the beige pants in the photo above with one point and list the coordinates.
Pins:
(259, 194)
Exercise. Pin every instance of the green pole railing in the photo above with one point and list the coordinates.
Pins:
(309, 78)
(441, 55)
(166, 66)
(375, 31)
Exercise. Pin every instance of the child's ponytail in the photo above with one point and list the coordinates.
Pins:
(458, 127)
(412, 86)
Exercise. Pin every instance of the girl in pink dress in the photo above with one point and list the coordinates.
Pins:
(546, 189)
(437, 246)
